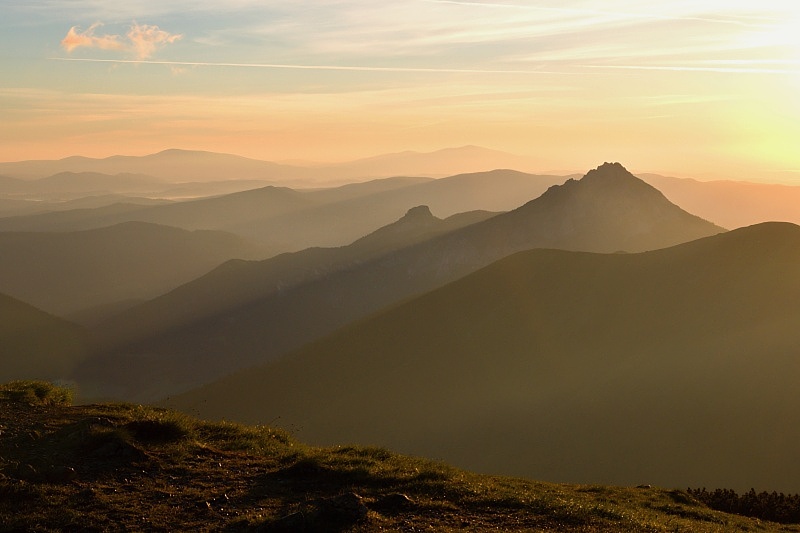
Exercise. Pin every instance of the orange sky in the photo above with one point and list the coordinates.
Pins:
(703, 88)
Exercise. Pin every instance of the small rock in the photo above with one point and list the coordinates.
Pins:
(393, 502)
(343, 509)
(87, 494)
(118, 449)
(298, 521)
(328, 514)
(26, 472)
(61, 474)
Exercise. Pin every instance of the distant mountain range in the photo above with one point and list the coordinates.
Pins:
(74, 186)
(608, 210)
(673, 367)
(283, 219)
(196, 166)
(183, 174)
(731, 204)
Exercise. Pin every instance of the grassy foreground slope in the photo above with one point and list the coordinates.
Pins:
(132, 468)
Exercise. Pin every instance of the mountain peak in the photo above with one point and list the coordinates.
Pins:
(420, 212)
(614, 178)
(608, 171)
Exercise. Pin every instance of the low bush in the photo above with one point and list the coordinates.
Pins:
(772, 506)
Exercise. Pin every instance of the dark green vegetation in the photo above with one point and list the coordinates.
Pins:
(128, 467)
(772, 506)
(669, 367)
(34, 344)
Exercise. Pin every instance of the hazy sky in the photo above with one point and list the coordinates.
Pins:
(698, 87)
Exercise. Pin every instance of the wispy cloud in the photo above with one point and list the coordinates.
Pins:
(142, 40)
(147, 39)
(691, 68)
(77, 39)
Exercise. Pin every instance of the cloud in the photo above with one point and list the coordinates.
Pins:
(147, 39)
(76, 39)
(142, 40)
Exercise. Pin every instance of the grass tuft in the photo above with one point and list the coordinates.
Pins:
(36, 393)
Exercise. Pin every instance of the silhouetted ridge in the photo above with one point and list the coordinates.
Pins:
(609, 171)
(412, 255)
(609, 180)
(669, 366)
(614, 175)
(418, 213)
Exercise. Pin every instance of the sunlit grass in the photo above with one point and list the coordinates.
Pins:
(133, 467)
(37, 393)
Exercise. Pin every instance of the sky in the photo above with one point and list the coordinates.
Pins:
(701, 88)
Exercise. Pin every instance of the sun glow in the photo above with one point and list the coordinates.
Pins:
(334, 82)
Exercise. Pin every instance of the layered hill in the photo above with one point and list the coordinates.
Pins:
(70, 185)
(205, 213)
(10, 207)
(283, 219)
(132, 338)
(608, 210)
(35, 344)
(172, 165)
(668, 367)
(66, 186)
(338, 220)
(238, 282)
(70, 271)
(187, 165)
(732, 204)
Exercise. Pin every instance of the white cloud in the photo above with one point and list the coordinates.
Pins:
(142, 40)
(147, 39)
(77, 39)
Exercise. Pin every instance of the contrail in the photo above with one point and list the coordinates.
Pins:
(596, 12)
(727, 70)
(305, 67)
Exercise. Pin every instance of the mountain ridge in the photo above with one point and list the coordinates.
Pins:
(564, 365)
(248, 330)
(35, 344)
(68, 271)
(199, 165)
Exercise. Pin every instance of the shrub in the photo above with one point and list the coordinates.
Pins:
(772, 506)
